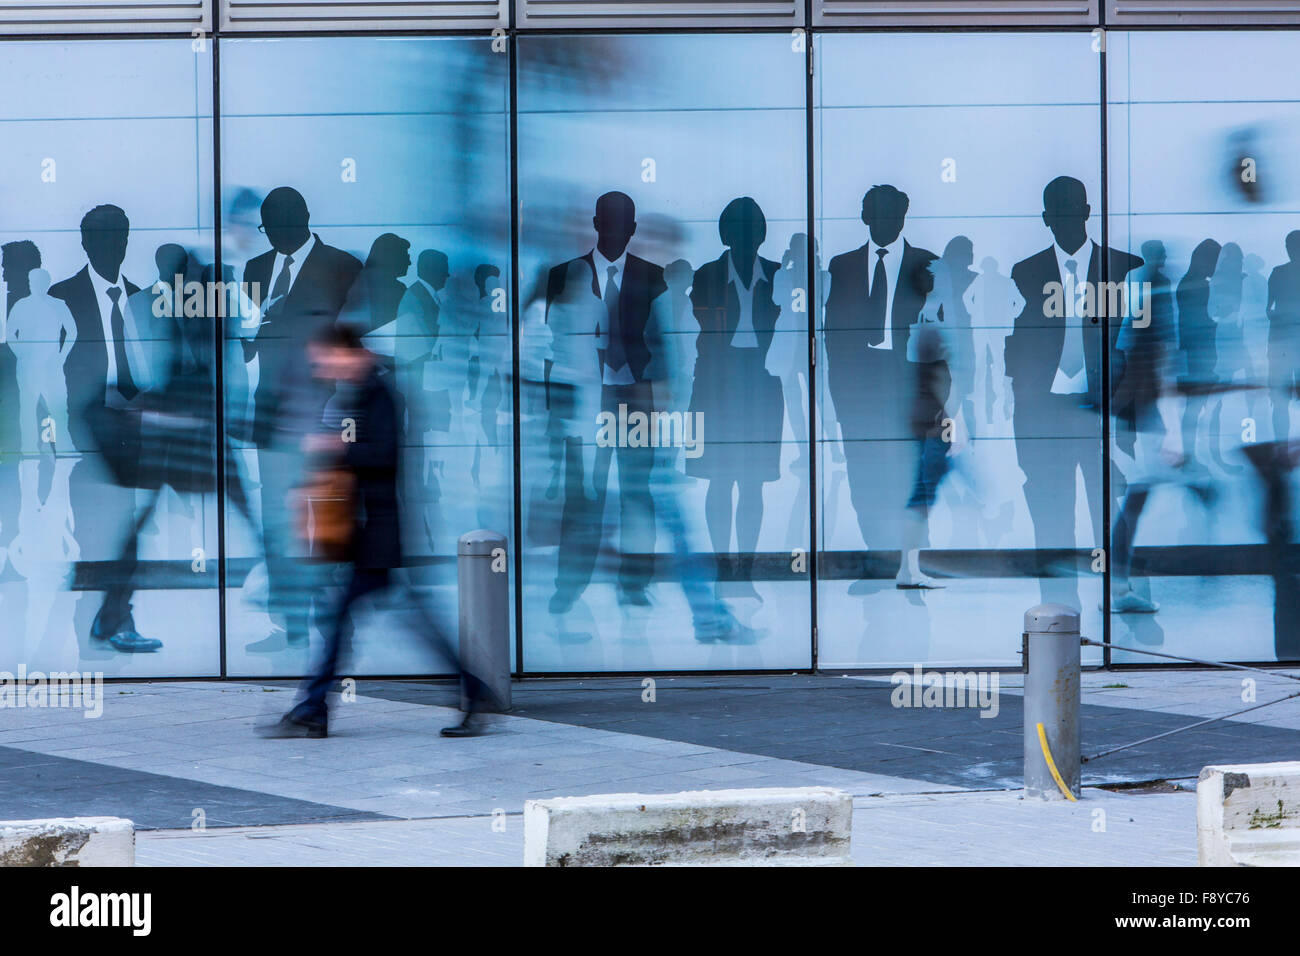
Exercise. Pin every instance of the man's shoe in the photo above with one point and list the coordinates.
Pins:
(466, 728)
(290, 726)
(133, 642)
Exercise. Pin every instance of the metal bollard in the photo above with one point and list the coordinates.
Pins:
(484, 595)
(1050, 657)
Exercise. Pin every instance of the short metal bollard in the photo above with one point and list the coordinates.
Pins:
(484, 595)
(1050, 652)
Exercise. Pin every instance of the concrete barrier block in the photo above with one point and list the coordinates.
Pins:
(1249, 815)
(68, 841)
(805, 826)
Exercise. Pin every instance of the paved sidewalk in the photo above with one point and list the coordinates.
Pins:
(931, 787)
(949, 829)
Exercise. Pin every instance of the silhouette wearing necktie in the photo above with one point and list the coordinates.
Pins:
(309, 283)
(1054, 363)
(599, 362)
(100, 386)
(867, 369)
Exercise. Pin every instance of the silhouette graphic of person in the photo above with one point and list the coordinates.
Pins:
(1053, 358)
(105, 372)
(17, 260)
(41, 333)
(876, 294)
(1229, 345)
(1284, 336)
(599, 305)
(425, 391)
(739, 400)
(377, 293)
(993, 303)
(300, 285)
(1196, 341)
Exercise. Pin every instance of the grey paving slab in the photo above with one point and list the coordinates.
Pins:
(43, 785)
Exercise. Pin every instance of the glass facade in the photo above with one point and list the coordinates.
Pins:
(762, 352)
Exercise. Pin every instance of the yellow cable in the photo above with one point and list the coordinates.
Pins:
(1051, 765)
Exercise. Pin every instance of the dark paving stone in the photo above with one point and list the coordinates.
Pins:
(851, 724)
(36, 786)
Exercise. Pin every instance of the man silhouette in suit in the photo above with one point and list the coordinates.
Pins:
(609, 293)
(300, 284)
(105, 373)
(876, 295)
(1054, 363)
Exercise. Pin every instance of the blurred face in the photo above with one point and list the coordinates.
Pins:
(331, 363)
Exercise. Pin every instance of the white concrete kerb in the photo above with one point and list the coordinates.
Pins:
(800, 826)
(67, 841)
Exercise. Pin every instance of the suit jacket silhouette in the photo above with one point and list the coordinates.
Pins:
(852, 324)
(641, 283)
(320, 290)
(1033, 350)
(717, 306)
(86, 367)
(872, 392)
(426, 307)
